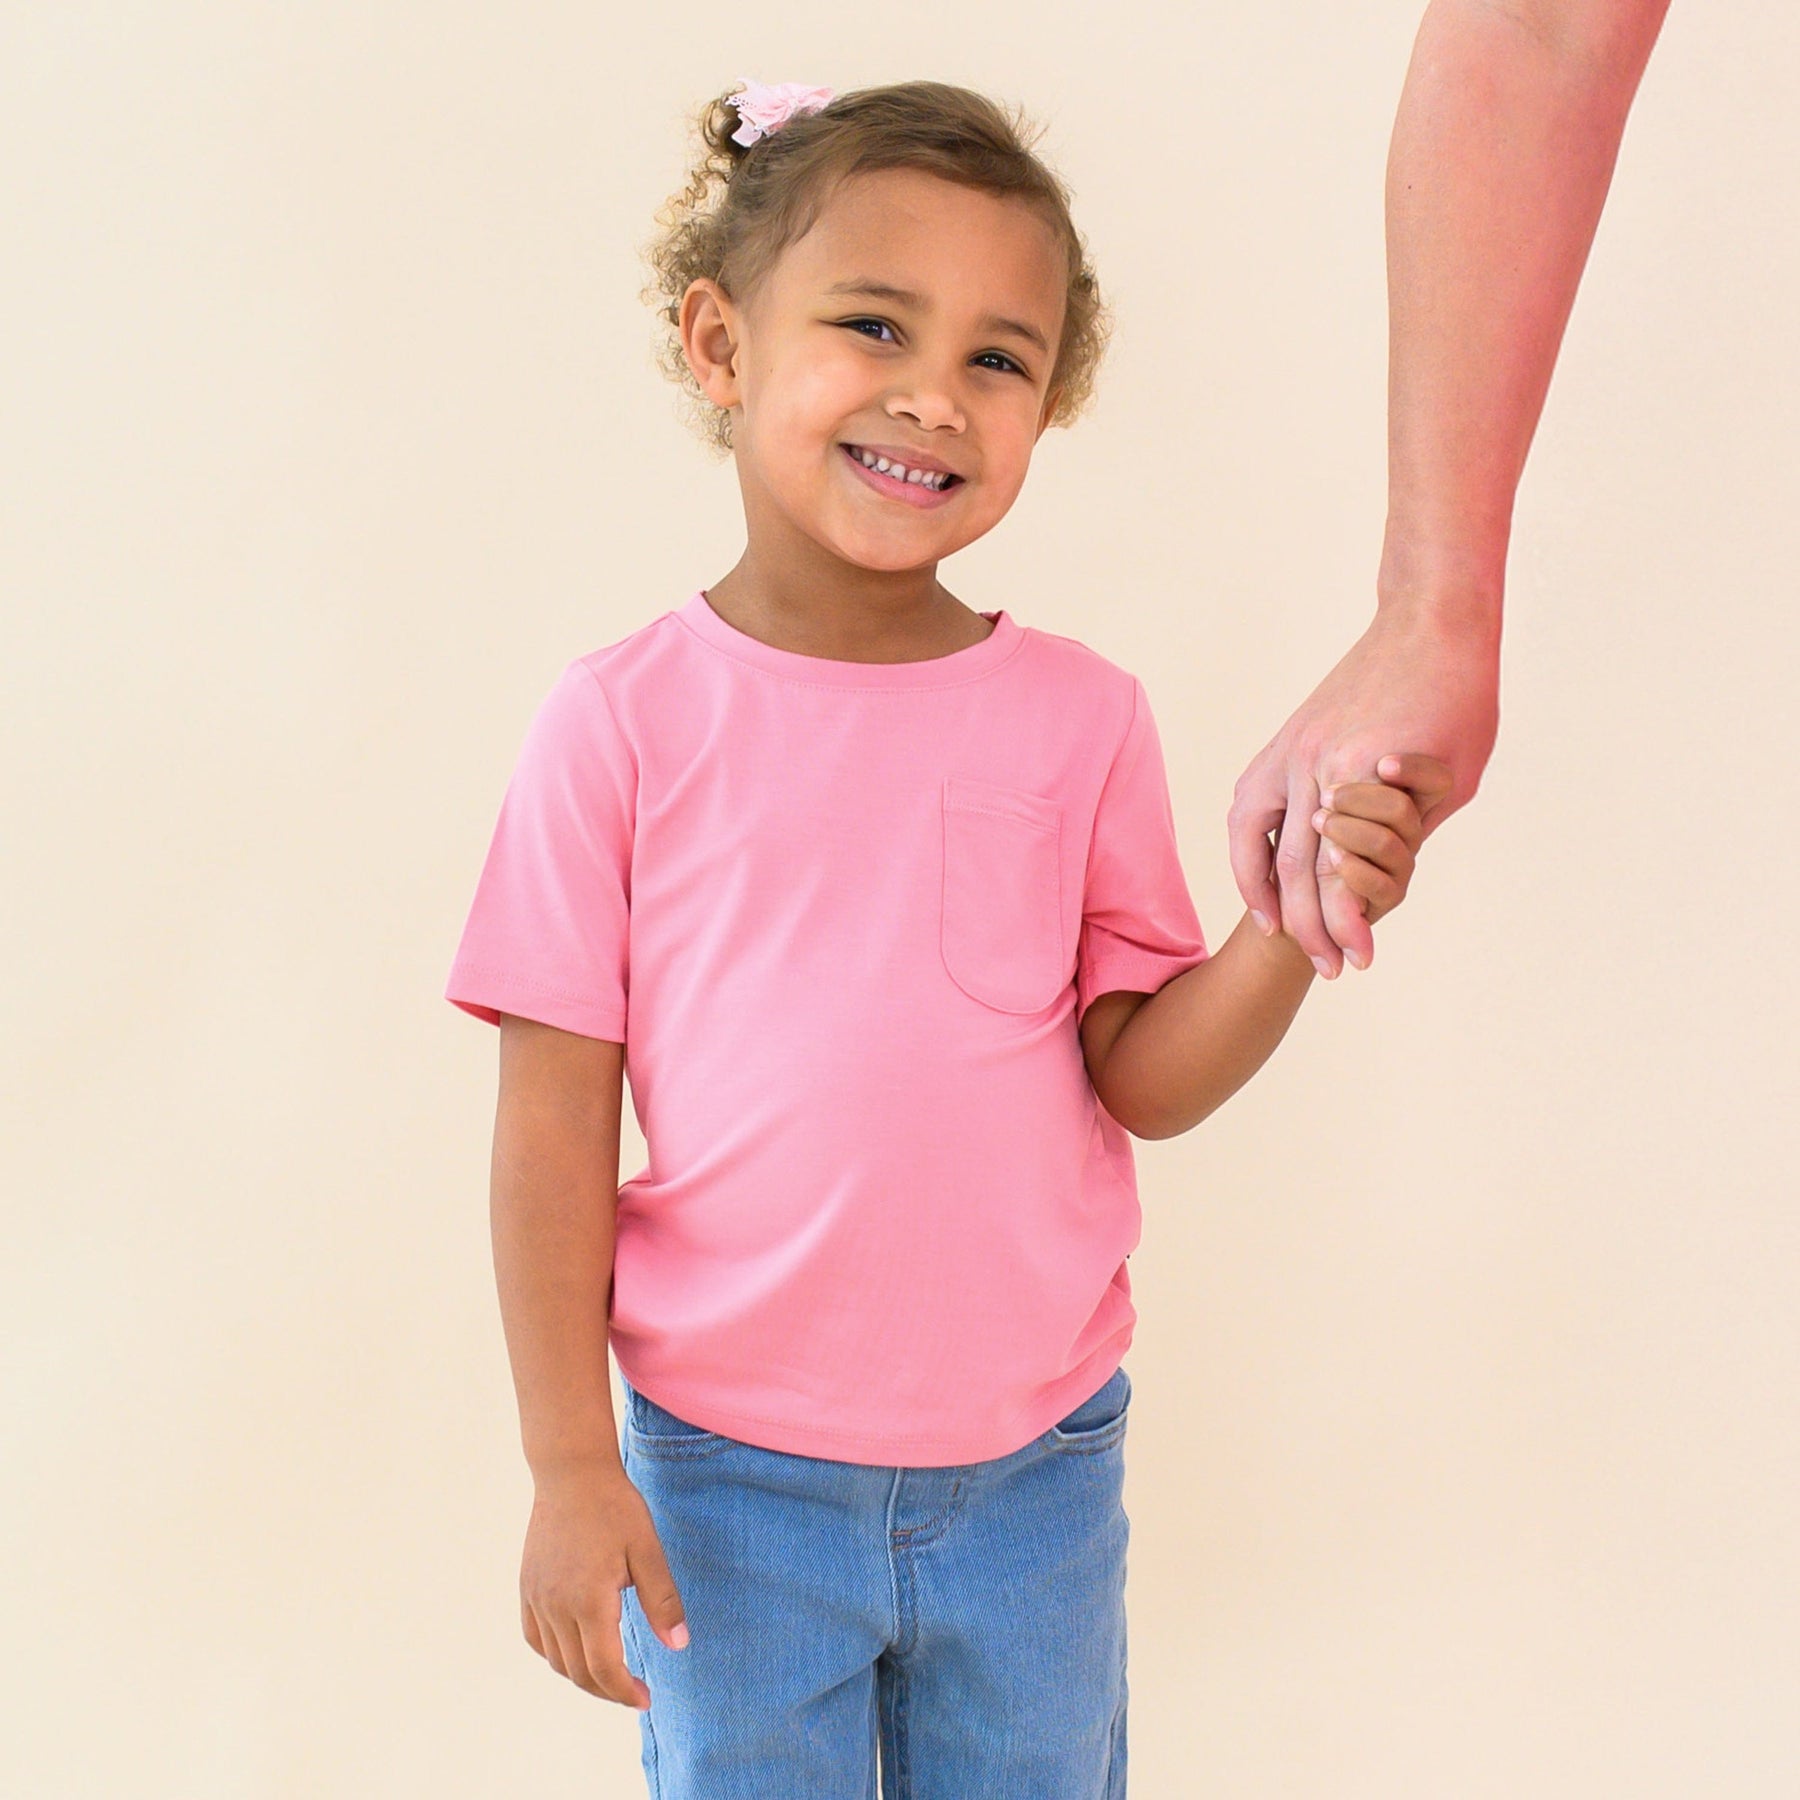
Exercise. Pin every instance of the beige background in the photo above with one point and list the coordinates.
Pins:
(1463, 1447)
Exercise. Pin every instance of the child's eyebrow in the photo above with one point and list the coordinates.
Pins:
(883, 290)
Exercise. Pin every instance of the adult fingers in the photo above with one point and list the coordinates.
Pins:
(1258, 806)
(1346, 918)
(1297, 869)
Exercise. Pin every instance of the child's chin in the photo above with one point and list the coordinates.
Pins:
(887, 562)
(864, 549)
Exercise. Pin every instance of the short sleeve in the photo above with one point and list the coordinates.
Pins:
(548, 933)
(1138, 924)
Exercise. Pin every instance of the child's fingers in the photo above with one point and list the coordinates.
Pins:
(1393, 807)
(1427, 778)
(1371, 883)
(1389, 849)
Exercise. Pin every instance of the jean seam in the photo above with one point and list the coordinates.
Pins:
(902, 1755)
(932, 1529)
(1115, 1764)
(653, 1763)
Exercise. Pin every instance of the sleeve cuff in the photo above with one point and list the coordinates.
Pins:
(486, 994)
(1132, 970)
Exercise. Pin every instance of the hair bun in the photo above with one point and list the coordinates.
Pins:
(721, 120)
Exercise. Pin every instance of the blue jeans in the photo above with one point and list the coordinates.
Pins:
(967, 1622)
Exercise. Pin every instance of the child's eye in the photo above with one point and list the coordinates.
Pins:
(883, 325)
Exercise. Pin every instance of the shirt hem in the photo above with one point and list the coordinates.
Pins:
(911, 1450)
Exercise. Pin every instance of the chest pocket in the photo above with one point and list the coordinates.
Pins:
(1003, 917)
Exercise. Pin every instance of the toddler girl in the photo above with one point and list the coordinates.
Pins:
(875, 901)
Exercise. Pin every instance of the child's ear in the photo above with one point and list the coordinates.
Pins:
(1049, 408)
(709, 340)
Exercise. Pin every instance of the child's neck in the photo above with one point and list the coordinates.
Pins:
(846, 627)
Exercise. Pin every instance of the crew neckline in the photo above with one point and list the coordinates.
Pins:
(934, 671)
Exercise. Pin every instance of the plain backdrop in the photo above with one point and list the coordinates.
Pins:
(1463, 1452)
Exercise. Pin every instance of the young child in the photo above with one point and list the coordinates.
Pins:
(875, 900)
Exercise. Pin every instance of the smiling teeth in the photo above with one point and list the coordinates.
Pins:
(899, 471)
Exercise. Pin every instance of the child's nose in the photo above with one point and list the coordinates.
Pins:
(926, 391)
(931, 407)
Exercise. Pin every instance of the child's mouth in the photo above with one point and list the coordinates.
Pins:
(914, 493)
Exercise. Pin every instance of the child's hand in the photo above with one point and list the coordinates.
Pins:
(1372, 831)
(590, 1537)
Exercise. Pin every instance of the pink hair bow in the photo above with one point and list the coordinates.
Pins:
(764, 108)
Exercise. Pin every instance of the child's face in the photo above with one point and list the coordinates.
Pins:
(809, 370)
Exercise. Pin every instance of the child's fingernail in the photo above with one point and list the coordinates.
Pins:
(1262, 922)
(1329, 795)
(1354, 959)
(1322, 966)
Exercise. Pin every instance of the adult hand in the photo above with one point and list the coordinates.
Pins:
(1412, 681)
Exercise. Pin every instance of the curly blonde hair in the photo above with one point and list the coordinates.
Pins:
(742, 206)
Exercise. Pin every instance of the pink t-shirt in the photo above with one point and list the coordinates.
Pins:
(845, 918)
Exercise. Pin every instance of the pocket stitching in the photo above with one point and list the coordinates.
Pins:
(1092, 1439)
(1018, 806)
(698, 1442)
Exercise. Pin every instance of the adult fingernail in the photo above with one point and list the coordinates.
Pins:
(679, 1636)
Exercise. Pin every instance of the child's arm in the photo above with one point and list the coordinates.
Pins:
(555, 1192)
(1162, 1062)
(555, 1202)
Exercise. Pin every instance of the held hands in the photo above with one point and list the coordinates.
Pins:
(1372, 830)
(1414, 677)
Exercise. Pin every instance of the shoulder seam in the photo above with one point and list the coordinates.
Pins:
(611, 712)
(1139, 696)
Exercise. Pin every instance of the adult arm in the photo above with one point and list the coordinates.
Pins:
(1502, 153)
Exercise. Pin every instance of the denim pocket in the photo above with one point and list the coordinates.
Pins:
(1099, 1421)
(1002, 936)
(655, 1431)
